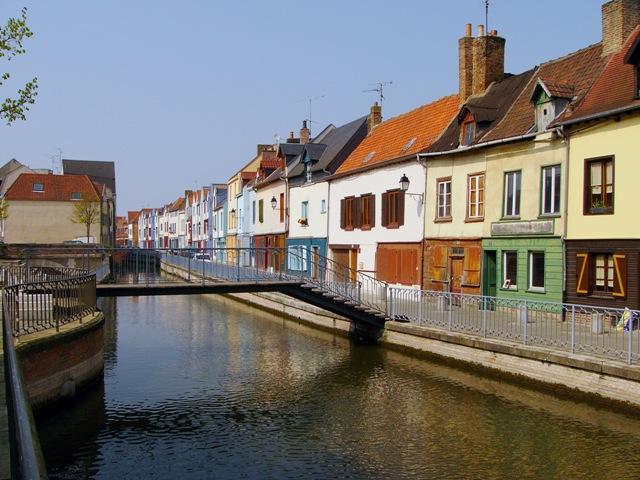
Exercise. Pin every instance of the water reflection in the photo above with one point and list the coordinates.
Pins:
(200, 387)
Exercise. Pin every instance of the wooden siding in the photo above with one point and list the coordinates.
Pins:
(398, 263)
(437, 264)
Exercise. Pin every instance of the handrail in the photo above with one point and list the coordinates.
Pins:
(27, 460)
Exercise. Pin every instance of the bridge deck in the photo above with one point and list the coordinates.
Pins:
(182, 288)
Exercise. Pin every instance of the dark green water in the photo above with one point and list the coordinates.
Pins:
(199, 387)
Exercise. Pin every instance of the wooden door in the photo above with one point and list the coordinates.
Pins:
(456, 274)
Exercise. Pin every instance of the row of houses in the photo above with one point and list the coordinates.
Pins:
(517, 185)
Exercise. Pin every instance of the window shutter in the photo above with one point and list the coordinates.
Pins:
(401, 207)
(582, 271)
(440, 257)
(620, 276)
(261, 211)
(343, 217)
(372, 210)
(471, 275)
(357, 215)
(381, 263)
(385, 209)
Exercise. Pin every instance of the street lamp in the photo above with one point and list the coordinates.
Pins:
(274, 203)
(404, 186)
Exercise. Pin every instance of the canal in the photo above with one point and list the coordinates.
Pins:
(201, 387)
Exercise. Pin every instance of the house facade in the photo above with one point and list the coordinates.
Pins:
(376, 197)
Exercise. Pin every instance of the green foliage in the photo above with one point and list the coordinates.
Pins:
(11, 37)
(4, 209)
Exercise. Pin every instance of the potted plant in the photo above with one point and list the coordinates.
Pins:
(303, 221)
(597, 206)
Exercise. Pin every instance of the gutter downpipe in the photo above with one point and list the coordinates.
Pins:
(561, 131)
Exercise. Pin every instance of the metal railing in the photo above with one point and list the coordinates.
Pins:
(611, 332)
(319, 273)
(36, 299)
(26, 456)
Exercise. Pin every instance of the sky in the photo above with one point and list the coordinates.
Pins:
(179, 93)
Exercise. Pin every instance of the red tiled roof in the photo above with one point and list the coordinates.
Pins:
(579, 69)
(133, 216)
(614, 89)
(558, 89)
(405, 134)
(54, 187)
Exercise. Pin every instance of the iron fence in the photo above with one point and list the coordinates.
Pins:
(611, 332)
(39, 305)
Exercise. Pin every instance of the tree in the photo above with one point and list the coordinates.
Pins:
(4, 214)
(11, 37)
(85, 212)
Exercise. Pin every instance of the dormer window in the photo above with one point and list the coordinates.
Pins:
(550, 98)
(76, 196)
(307, 171)
(38, 187)
(468, 132)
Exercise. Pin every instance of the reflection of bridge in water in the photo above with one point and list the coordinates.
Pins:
(299, 274)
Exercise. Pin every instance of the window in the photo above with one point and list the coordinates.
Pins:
(475, 200)
(323, 206)
(468, 132)
(347, 213)
(367, 211)
(76, 196)
(304, 210)
(253, 212)
(512, 194)
(307, 169)
(444, 199)
(599, 186)
(536, 270)
(551, 190)
(510, 270)
(601, 274)
(393, 208)
(38, 187)
(297, 258)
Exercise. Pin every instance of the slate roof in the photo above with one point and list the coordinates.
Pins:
(55, 187)
(489, 107)
(403, 135)
(99, 172)
(333, 148)
(578, 69)
(615, 89)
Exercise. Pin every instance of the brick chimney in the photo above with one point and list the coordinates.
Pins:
(619, 19)
(481, 61)
(375, 117)
(305, 133)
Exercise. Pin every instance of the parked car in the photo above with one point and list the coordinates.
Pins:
(203, 256)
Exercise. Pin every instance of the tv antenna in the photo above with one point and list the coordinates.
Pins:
(486, 15)
(311, 100)
(379, 89)
(56, 162)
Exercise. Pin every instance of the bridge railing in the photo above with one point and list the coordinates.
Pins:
(322, 274)
(611, 332)
(38, 299)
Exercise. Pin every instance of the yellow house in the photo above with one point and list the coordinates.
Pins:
(603, 236)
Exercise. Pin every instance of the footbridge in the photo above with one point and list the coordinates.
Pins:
(298, 273)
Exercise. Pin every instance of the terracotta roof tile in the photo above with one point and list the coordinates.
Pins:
(578, 69)
(54, 187)
(405, 134)
(614, 89)
(558, 89)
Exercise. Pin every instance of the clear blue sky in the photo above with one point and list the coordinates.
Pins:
(178, 94)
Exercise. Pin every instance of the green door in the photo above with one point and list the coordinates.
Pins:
(489, 274)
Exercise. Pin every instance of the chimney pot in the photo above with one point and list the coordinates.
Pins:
(494, 32)
(481, 30)
(468, 30)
